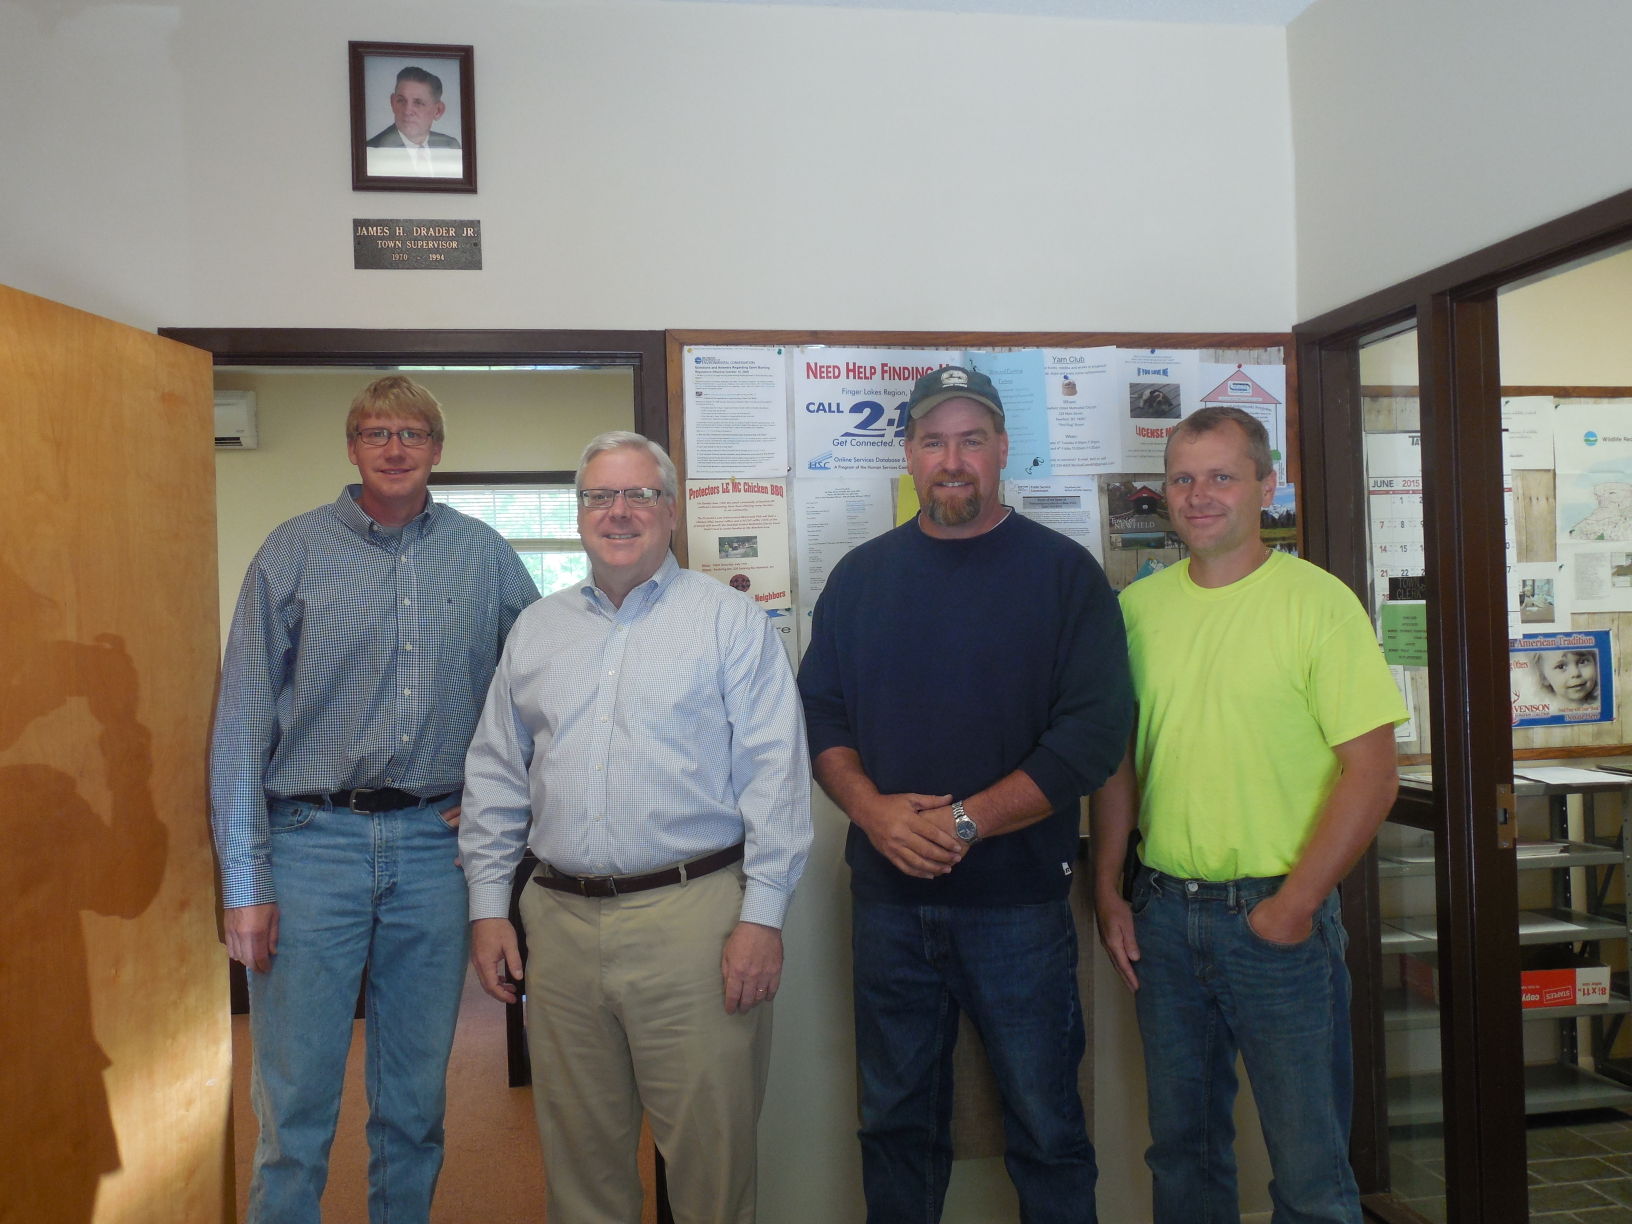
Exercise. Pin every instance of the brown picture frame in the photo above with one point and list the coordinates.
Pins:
(443, 158)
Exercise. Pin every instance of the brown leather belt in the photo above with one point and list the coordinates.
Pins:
(378, 799)
(613, 886)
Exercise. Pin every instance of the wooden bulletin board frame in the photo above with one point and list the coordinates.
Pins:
(678, 339)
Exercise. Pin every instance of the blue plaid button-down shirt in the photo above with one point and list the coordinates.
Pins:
(358, 657)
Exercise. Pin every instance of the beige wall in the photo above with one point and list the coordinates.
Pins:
(1425, 131)
(500, 421)
(1569, 329)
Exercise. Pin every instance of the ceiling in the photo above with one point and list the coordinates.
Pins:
(1197, 12)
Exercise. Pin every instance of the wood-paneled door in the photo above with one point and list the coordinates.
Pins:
(115, 1041)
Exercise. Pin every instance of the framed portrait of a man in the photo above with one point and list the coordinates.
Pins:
(413, 117)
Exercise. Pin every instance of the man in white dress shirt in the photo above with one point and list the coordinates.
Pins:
(644, 737)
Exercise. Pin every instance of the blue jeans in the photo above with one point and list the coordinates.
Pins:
(1209, 987)
(1014, 970)
(354, 889)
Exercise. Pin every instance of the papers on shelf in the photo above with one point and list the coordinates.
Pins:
(1540, 849)
(1568, 775)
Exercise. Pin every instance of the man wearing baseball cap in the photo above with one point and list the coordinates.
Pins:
(966, 683)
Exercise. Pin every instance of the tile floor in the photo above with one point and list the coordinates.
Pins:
(1580, 1169)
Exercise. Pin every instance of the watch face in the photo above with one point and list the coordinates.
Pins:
(965, 828)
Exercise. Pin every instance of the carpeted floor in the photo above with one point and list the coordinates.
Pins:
(493, 1174)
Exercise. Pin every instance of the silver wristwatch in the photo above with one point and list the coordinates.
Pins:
(963, 826)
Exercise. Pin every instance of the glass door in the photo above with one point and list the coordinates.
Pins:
(1412, 1140)
(1411, 514)
(1567, 415)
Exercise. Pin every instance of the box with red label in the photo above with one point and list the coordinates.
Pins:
(1557, 978)
(1551, 977)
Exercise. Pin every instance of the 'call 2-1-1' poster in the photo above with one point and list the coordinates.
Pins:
(1559, 679)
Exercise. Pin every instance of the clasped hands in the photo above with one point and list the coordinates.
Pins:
(913, 831)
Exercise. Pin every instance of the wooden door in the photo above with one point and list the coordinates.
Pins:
(115, 1039)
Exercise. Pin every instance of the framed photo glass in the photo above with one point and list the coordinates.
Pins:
(413, 117)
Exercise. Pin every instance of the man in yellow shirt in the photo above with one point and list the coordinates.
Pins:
(1262, 764)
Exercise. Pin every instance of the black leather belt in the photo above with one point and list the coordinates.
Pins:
(613, 886)
(380, 799)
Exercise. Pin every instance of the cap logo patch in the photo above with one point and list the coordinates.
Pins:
(954, 378)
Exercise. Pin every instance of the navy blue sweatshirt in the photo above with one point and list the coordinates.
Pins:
(947, 665)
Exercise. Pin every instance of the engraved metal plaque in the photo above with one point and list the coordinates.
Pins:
(416, 242)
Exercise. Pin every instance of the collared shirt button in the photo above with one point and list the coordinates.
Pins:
(405, 739)
(407, 603)
(407, 692)
(597, 769)
(612, 671)
(407, 645)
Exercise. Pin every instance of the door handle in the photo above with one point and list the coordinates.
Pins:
(1507, 815)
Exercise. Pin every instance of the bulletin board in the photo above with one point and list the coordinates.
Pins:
(863, 378)
(1568, 464)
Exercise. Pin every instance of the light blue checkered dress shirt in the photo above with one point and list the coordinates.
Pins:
(617, 741)
(358, 657)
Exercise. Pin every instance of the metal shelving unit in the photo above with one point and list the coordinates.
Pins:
(1590, 904)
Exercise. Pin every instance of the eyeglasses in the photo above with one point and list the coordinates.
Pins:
(412, 438)
(602, 499)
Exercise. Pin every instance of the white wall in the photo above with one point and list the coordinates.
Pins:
(1426, 131)
(681, 165)
(658, 165)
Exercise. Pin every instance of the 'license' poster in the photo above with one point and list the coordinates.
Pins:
(1158, 389)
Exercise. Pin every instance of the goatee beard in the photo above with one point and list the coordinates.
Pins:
(954, 511)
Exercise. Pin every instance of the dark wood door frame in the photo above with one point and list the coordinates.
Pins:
(1454, 308)
(641, 351)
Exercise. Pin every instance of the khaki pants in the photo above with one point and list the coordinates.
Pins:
(625, 1011)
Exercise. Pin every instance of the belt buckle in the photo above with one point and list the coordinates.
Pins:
(351, 801)
(603, 886)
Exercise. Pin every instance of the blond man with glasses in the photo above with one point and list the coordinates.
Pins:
(362, 645)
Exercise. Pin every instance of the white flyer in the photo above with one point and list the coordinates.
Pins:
(1068, 504)
(1538, 597)
(1592, 445)
(736, 410)
(1084, 426)
(1527, 431)
(830, 518)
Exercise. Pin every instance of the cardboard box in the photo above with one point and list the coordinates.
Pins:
(1573, 985)
(1552, 977)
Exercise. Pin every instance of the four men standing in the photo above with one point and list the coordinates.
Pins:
(359, 657)
(967, 682)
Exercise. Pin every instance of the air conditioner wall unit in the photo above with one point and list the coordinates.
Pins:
(235, 426)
